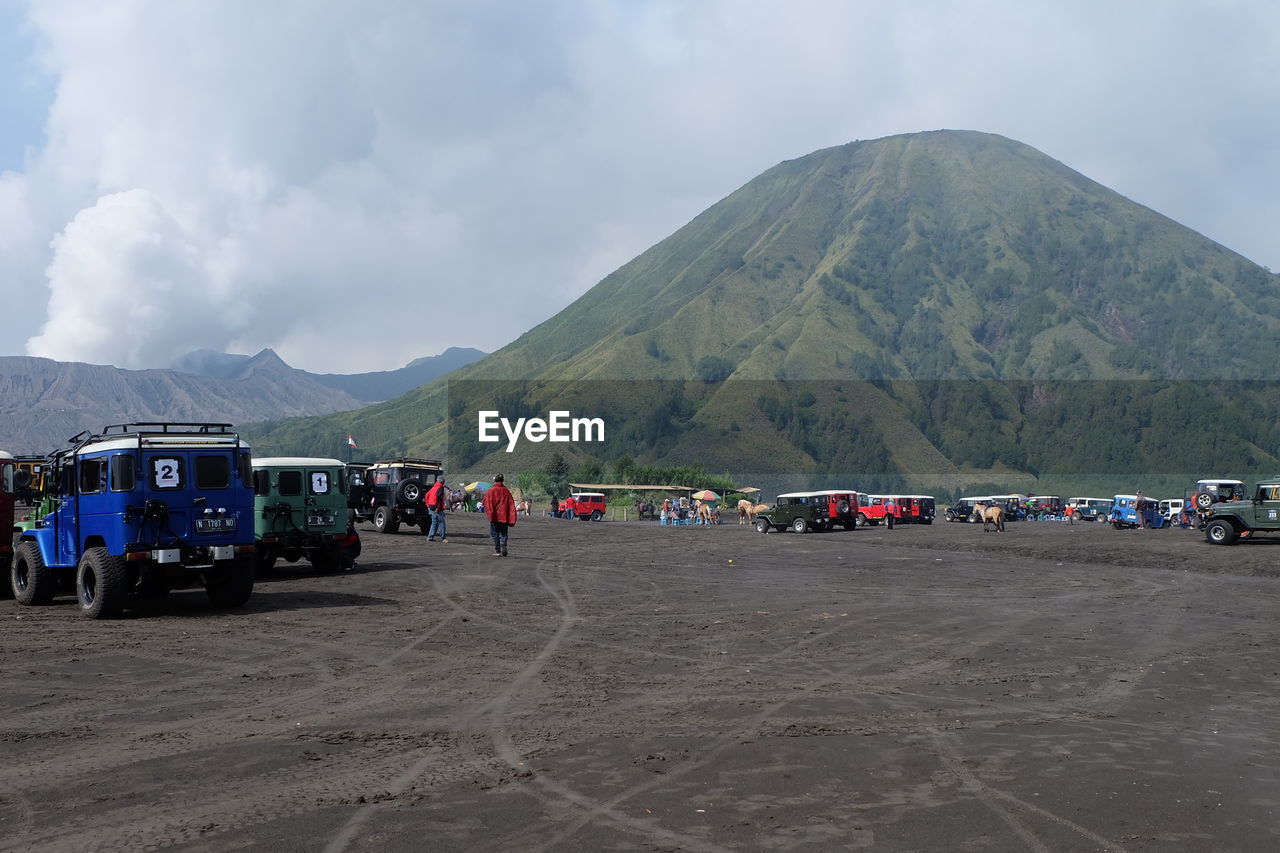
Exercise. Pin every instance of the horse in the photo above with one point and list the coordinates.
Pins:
(990, 514)
(644, 510)
(746, 511)
(704, 513)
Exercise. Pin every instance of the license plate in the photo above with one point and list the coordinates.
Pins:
(215, 525)
(319, 520)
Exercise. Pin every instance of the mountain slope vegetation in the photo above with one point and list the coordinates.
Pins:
(917, 306)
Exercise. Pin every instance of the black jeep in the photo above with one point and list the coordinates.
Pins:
(392, 492)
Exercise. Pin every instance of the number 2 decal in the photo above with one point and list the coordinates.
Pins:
(166, 473)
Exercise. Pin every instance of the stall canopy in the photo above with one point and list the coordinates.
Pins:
(601, 487)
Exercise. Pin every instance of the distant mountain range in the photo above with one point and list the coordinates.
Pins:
(951, 307)
(44, 402)
(366, 387)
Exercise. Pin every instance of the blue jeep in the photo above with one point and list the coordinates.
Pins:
(142, 509)
(1132, 511)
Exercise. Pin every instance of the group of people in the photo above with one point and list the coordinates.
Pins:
(682, 511)
(499, 506)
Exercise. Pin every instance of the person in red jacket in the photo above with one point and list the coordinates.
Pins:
(500, 508)
(436, 499)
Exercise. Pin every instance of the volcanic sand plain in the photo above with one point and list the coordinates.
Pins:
(626, 686)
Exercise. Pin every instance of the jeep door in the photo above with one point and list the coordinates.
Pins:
(1266, 507)
(201, 494)
(326, 501)
(101, 500)
(786, 511)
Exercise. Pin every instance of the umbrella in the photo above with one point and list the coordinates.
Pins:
(478, 486)
(706, 495)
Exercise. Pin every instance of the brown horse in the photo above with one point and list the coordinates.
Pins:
(990, 514)
(746, 511)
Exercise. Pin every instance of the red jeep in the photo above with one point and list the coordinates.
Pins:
(841, 509)
(871, 509)
(915, 509)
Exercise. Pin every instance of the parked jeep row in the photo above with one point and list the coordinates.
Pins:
(831, 508)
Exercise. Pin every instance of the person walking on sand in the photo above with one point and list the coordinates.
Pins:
(500, 509)
(890, 510)
(1070, 512)
(437, 500)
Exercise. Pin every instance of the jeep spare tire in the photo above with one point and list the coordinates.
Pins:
(410, 491)
(1204, 500)
(842, 507)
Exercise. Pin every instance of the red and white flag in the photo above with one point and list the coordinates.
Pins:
(351, 442)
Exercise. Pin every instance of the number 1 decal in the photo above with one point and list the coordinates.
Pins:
(319, 482)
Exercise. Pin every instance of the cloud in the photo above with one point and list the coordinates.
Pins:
(357, 185)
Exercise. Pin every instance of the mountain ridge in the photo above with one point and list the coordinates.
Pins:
(43, 402)
(880, 267)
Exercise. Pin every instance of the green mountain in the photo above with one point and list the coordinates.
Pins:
(943, 308)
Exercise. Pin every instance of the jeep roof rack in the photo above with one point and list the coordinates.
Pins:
(406, 460)
(175, 430)
(167, 427)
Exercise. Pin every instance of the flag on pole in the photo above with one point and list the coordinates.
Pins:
(351, 442)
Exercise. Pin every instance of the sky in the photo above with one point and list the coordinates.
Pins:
(358, 184)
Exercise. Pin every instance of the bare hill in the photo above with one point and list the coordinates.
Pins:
(44, 402)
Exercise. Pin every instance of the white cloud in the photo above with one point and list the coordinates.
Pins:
(450, 173)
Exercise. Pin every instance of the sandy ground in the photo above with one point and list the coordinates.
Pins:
(616, 686)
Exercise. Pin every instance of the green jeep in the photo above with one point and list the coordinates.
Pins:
(300, 510)
(805, 511)
(1226, 523)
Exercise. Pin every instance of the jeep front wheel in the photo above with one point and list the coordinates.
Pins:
(762, 525)
(33, 582)
(1220, 532)
(101, 584)
(384, 520)
(800, 525)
